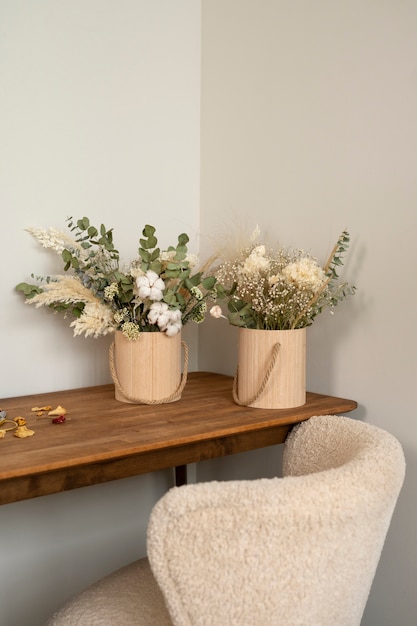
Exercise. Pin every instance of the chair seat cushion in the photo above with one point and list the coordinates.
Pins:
(128, 597)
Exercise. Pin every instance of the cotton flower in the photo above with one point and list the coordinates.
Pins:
(150, 286)
(158, 314)
(167, 320)
(174, 325)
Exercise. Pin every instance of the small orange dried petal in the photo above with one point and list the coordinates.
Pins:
(20, 421)
(23, 431)
(41, 408)
(58, 411)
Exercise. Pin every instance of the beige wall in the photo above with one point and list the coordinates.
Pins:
(309, 126)
(99, 116)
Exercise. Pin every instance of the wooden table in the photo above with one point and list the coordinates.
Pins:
(103, 439)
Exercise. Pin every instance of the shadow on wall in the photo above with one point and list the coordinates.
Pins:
(263, 463)
(218, 346)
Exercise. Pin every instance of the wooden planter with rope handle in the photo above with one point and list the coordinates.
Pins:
(148, 370)
(271, 373)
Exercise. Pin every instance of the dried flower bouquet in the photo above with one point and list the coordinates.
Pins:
(157, 292)
(280, 291)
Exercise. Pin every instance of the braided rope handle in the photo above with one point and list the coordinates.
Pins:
(135, 400)
(275, 351)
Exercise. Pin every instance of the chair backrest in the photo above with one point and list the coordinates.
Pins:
(301, 550)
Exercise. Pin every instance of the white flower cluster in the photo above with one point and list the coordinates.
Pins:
(150, 286)
(256, 261)
(305, 272)
(167, 320)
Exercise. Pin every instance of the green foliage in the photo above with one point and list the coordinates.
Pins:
(28, 290)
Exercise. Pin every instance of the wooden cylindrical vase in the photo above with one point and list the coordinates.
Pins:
(147, 370)
(272, 368)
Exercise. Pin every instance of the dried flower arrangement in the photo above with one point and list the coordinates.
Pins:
(157, 292)
(282, 290)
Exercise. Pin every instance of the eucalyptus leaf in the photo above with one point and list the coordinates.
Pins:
(92, 231)
(83, 224)
(183, 239)
(208, 282)
(28, 290)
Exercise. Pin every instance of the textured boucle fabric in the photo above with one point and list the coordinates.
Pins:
(128, 597)
(301, 550)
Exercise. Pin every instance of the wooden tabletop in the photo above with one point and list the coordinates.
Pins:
(103, 439)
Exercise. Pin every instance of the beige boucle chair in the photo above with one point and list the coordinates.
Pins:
(301, 550)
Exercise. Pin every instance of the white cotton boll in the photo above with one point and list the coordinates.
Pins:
(173, 328)
(163, 320)
(174, 323)
(157, 309)
(150, 286)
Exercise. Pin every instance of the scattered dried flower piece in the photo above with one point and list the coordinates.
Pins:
(2, 434)
(59, 420)
(20, 421)
(23, 431)
(41, 408)
(58, 411)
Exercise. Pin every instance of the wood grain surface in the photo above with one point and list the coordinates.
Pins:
(104, 439)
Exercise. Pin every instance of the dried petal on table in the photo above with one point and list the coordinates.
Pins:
(59, 420)
(23, 431)
(58, 411)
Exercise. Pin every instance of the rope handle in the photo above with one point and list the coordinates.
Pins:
(275, 351)
(135, 400)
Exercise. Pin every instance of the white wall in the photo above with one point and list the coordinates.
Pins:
(309, 126)
(99, 116)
